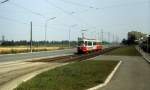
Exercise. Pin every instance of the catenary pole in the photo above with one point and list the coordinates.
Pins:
(31, 37)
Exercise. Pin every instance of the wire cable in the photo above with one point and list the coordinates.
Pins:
(68, 13)
(12, 20)
(4, 1)
(64, 11)
(28, 10)
(77, 4)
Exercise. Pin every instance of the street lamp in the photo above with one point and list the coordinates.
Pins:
(70, 31)
(46, 22)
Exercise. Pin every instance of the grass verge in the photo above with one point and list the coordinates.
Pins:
(126, 51)
(75, 76)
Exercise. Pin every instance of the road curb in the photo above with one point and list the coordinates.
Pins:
(143, 54)
(108, 78)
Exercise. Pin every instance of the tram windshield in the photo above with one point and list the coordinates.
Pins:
(80, 43)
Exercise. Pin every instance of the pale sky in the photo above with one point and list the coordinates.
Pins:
(114, 16)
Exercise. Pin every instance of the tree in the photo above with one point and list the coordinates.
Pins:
(134, 36)
(124, 41)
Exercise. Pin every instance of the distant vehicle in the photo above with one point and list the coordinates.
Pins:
(88, 45)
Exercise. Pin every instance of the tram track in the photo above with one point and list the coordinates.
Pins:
(75, 57)
(12, 71)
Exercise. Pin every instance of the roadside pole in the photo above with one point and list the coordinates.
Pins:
(102, 35)
(69, 36)
(31, 37)
(147, 43)
(113, 39)
(108, 39)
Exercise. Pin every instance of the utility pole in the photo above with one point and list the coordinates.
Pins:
(45, 32)
(108, 36)
(83, 30)
(99, 36)
(70, 32)
(118, 39)
(102, 34)
(69, 36)
(113, 38)
(82, 35)
(147, 43)
(31, 37)
(3, 38)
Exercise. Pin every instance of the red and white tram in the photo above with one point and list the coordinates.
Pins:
(88, 45)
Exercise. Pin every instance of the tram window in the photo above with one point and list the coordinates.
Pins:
(89, 43)
(94, 43)
(80, 43)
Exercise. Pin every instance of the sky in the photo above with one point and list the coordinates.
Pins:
(116, 17)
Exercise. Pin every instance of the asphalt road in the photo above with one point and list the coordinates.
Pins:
(16, 57)
(25, 56)
(133, 74)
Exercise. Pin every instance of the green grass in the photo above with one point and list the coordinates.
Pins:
(126, 51)
(75, 76)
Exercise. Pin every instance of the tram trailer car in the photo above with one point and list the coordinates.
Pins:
(88, 45)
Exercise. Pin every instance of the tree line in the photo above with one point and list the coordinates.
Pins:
(38, 43)
(138, 38)
(133, 37)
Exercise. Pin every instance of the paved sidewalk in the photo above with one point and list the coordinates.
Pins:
(133, 74)
(144, 54)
